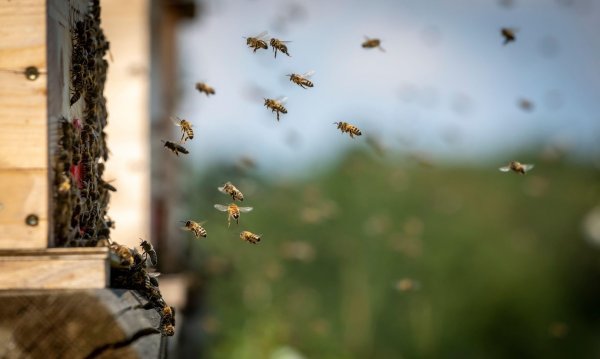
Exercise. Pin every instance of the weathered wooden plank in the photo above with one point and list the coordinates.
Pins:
(54, 268)
(99, 323)
(23, 124)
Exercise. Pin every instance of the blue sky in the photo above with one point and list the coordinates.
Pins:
(446, 86)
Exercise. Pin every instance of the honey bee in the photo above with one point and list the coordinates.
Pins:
(250, 237)
(508, 34)
(257, 42)
(202, 87)
(302, 80)
(276, 105)
(277, 44)
(231, 190)
(149, 252)
(186, 129)
(121, 256)
(175, 148)
(195, 228)
(372, 43)
(233, 211)
(346, 127)
(65, 183)
(168, 314)
(517, 167)
(526, 105)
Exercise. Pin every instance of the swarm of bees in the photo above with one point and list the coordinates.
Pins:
(129, 270)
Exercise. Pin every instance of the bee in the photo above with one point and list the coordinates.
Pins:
(65, 183)
(195, 228)
(250, 237)
(508, 34)
(372, 43)
(233, 211)
(106, 185)
(152, 278)
(257, 42)
(517, 167)
(302, 80)
(276, 105)
(231, 190)
(346, 127)
(186, 129)
(277, 44)
(175, 148)
(526, 105)
(168, 314)
(121, 256)
(202, 87)
(149, 252)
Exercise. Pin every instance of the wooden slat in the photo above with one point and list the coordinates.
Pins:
(54, 268)
(23, 192)
(23, 124)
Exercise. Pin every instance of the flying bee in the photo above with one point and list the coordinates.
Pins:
(195, 228)
(186, 129)
(372, 43)
(346, 127)
(149, 252)
(302, 80)
(152, 278)
(277, 44)
(233, 211)
(517, 167)
(231, 190)
(257, 42)
(175, 148)
(202, 87)
(508, 34)
(276, 105)
(250, 237)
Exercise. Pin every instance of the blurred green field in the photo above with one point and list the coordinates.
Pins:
(391, 259)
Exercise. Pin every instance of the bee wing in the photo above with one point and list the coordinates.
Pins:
(222, 189)
(504, 169)
(221, 207)
(176, 121)
(528, 167)
(262, 34)
(154, 274)
(245, 209)
(309, 74)
(281, 99)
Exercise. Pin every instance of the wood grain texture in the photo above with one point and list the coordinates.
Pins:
(54, 268)
(23, 124)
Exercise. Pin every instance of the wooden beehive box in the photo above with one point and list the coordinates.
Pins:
(35, 94)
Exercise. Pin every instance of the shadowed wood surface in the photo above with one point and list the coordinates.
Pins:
(100, 323)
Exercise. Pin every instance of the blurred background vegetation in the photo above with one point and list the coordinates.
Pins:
(406, 242)
(392, 257)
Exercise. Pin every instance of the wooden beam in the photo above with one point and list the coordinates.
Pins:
(54, 268)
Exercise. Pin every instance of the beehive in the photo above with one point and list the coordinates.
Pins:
(52, 116)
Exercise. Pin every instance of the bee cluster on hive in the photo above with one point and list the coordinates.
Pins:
(81, 194)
